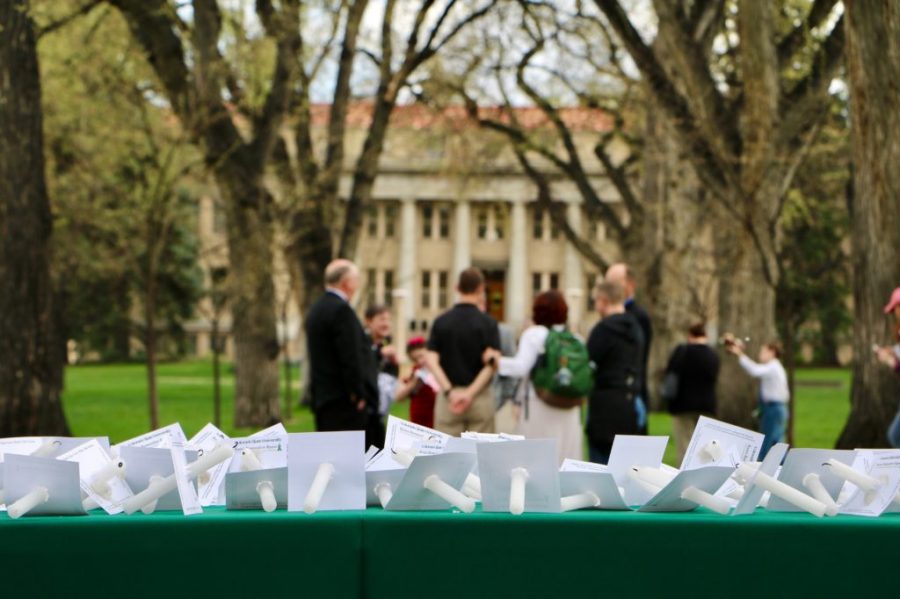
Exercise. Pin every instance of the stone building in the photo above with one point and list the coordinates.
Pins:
(450, 195)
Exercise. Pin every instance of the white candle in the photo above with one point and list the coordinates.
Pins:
(28, 502)
(46, 450)
(711, 452)
(472, 486)
(736, 493)
(405, 456)
(813, 482)
(100, 481)
(266, 492)
(518, 477)
(147, 498)
(867, 483)
(579, 501)
(786, 492)
(455, 498)
(218, 455)
(250, 461)
(653, 476)
(384, 493)
(317, 488)
(710, 502)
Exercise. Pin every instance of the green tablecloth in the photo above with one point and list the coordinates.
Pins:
(214, 555)
(442, 554)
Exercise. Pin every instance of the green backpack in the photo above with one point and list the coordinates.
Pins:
(564, 375)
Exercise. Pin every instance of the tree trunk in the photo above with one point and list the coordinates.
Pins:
(676, 260)
(747, 309)
(310, 252)
(252, 300)
(873, 64)
(286, 359)
(789, 330)
(150, 347)
(32, 352)
(217, 374)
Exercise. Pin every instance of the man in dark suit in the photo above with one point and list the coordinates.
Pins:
(344, 379)
(622, 275)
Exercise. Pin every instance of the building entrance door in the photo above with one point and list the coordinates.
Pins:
(495, 286)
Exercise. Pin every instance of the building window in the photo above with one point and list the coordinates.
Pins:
(499, 221)
(554, 229)
(390, 218)
(554, 280)
(371, 285)
(536, 283)
(426, 289)
(595, 229)
(591, 281)
(538, 225)
(427, 218)
(388, 288)
(372, 221)
(482, 223)
(444, 221)
(492, 222)
(443, 289)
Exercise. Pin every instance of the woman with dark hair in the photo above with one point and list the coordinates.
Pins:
(538, 419)
(420, 386)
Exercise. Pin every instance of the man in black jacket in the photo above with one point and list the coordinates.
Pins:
(622, 274)
(616, 347)
(343, 374)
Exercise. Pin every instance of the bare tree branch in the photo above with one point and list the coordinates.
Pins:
(716, 172)
(62, 22)
(557, 212)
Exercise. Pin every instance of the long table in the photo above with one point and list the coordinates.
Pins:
(442, 554)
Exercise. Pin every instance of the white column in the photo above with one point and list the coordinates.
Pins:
(573, 276)
(462, 250)
(406, 268)
(517, 275)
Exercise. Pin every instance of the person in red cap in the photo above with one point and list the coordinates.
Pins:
(890, 357)
(420, 386)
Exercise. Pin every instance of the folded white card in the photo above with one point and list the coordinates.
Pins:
(670, 498)
(23, 474)
(210, 487)
(629, 451)
(241, 488)
(601, 484)
(716, 443)
(161, 437)
(752, 493)
(92, 458)
(883, 465)
(411, 494)
(345, 451)
(538, 457)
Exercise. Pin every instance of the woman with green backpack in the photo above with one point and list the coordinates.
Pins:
(556, 376)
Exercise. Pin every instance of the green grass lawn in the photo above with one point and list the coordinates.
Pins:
(111, 399)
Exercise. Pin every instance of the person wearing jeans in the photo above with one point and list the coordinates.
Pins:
(890, 357)
(774, 393)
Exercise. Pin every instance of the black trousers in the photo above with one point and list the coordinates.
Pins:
(343, 416)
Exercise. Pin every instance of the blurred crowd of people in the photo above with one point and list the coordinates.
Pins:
(558, 385)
